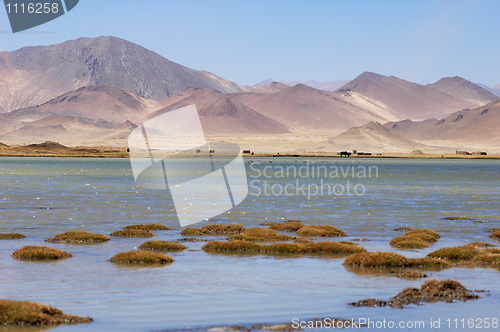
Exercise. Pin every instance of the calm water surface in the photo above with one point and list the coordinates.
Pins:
(41, 197)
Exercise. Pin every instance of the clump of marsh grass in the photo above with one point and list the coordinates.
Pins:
(411, 275)
(162, 246)
(282, 248)
(35, 253)
(403, 229)
(142, 257)
(258, 234)
(360, 239)
(214, 229)
(11, 236)
(29, 313)
(461, 253)
(487, 258)
(286, 226)
(481, 244)
(132, 233)
(415, 239)
(495, 235)
(457, 218)
(390, 260)
(149, 227)
(320, 231)
(78, 237)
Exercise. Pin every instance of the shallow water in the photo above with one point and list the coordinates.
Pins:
(41, 197)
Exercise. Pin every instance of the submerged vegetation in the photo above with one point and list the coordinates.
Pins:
(457, 218)
(132, 233)
(320, 231)
(282, 248)
(78, 237)
(35, 253)
(261, 235)
(149, 227)
(11, 236)
(162, 246)
(142, 257)
(411, 275)
(390, 260)
(30, 313)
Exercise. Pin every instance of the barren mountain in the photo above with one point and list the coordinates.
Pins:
(60, 128)
(98, 103)
(408, 100)
(465, 90)
(478, 125)
(327, 86)
(220, 114)
(34, 75)
(310, 110)
(371, 137)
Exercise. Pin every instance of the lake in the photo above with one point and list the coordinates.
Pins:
(41, 197)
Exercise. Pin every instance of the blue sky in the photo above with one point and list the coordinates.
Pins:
(250, 41)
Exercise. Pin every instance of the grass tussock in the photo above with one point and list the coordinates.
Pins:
(258, 234)
(487, 258)
(132, 233)
(390, 260)
(408, 242)
(458, 218)
(162, 246)
(283, 248)
(495, 235)
(78, 237)
(403, 229)
(149, 227)
(320, 231)
(481, 245)
(424, 231)
(142, 257)
(35, 253)
(286, 226)
(33, 314)
(411, 275)
(432, 291)
(214, 229)
(461, 253)
(11, 236)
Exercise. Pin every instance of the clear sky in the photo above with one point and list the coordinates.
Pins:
(250, 41)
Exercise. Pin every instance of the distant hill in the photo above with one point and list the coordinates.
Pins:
(34, 75)
(408, 100)
(310, 110)
(479, 125)
(327, 86)
(487, 88)
(371, 137)
(465, 90)
(220, 114)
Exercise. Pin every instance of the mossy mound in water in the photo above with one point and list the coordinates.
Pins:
(411, 275)
(35, 253)
(403, 229)
(487, 258)
(142, 257)
(282, 248)
(461, 253)
(415, 239)
(286, 226)
(495, 235)
(390, 259)
(11, 236)
(30, 313)
(320, 231)
(481, 244)
(457, 218)
(214, 229)
(408, 242)
(149, 227)
(360, 239)
(162, 246)
(433, 291)
(368, 303)
(78, 237)
(132, 233)
(260, 235)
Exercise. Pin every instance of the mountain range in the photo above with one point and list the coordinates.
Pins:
(102, 88)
